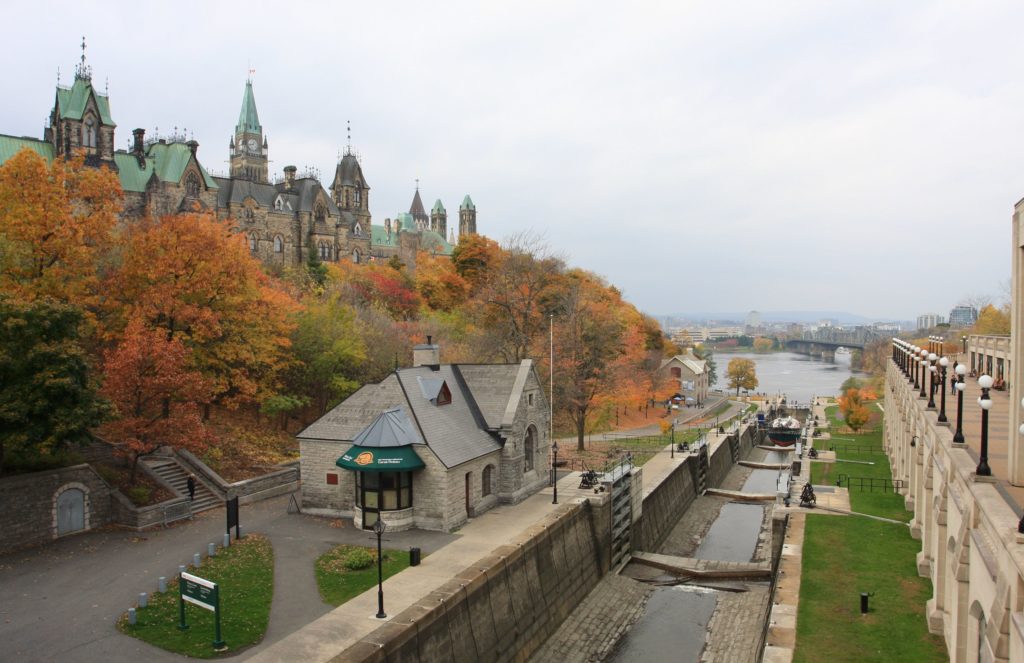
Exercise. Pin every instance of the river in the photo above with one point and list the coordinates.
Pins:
(798, 376)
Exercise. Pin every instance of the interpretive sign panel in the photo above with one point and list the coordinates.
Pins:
(198, 591)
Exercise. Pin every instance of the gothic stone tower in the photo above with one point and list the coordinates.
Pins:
(419, 214)
(467, 217)
(80, 120)
(439, 219)
(249, 146)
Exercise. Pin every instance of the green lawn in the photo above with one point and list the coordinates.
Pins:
(842, 557)
(338, 584)
(245, 575)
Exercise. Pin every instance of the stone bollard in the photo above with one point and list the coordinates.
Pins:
(197, 560)
(162, 584)
(211, 550)
(143, 599)
(181, 569)
(227, 539)
(131, 616)
(241, 532)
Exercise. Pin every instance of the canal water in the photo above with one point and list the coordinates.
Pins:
(683, 612)
(733, 535)
(798, 376)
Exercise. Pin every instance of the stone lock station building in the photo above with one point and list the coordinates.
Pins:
(429, 446)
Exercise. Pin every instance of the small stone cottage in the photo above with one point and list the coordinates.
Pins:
(429, 446)
(689, 376)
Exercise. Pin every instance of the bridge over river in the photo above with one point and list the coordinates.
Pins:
(826, 340)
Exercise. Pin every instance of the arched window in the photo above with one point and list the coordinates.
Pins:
(320, 214)
(677, 372)
(325, 251)
(486, 479)
(529, 448)
(249, 214)
(253, 242)
(278, 204)
(359, 196)
(192, 185)
(355, 256)
(358, 230)
(90, 133)
(278, 244)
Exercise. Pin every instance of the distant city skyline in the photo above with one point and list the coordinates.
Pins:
(699, 156)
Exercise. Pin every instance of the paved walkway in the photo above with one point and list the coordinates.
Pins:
(60, 602)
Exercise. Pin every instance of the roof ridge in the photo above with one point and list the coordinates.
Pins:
(474, 407)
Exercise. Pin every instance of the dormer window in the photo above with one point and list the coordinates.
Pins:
(358, 230)
(320, 214)
(435, 390)
(278, 204)
(444, 397)
(89, 140)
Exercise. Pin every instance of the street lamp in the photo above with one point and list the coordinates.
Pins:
(931, 380)
(913, 363)
(378, 529)
(985, 382)
(961, 371)
(943, 363)
(554, 470)
(672, 448)
(923, 362)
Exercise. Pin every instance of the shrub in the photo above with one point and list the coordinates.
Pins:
(139, 495)
(358, 558)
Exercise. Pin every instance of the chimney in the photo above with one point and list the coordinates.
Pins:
(192, 146)
(427, 354)
(139, 145)
(289, 177)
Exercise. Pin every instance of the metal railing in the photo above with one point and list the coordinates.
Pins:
(870, 484)
(175, 512)
(856, 449)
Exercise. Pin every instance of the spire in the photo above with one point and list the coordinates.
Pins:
(467, 203)
(348, 137)
(248, 119)
(416, 209)
(83, 71)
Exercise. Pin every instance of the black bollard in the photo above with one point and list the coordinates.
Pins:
(864, 603)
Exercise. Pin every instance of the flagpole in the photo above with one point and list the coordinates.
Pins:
(551, 404)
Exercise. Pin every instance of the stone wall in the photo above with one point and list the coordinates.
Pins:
(503, 607)
(663, 505)
(29, 513)
(720, 463)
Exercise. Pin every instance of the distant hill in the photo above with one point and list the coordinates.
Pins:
(837, 317)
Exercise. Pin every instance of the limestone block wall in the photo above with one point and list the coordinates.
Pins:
(504, 606)
(663, 505)
(317, 460)
(720, 464)
(29, 513)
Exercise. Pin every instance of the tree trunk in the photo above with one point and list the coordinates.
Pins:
(581, 429)
(135, 463)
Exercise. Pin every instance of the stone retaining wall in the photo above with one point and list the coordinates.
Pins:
(505, 606)
(28, 516)
(663, 506)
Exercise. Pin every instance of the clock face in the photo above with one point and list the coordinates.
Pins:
(252, 143)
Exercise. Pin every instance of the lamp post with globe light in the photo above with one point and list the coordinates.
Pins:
(985, 382)
(931, 359)
(943, 363)
(961, 372)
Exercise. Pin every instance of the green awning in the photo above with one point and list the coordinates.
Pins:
(377, 459)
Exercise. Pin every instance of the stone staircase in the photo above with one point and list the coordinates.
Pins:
(174, 474)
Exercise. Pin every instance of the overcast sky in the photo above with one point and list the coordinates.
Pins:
(718, 156)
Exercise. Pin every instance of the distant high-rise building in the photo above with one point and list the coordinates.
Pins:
(754, 319)
(963, 316)
(929, 320)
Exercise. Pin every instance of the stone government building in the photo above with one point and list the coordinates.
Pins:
(283, 220)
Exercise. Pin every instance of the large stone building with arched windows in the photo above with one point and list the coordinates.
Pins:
(285, 219)
(429, 446)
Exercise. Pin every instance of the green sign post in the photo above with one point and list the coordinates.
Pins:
(204, 594)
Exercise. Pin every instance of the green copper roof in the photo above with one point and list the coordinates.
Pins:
(248, 119)
(71, 102)
(467, 203)
(133, 178)
(438, 207)
(379, 236)
(432, 241)
(171, 159)
(407, 220)
(10, 145)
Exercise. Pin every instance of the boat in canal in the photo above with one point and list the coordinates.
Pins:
(784, 431)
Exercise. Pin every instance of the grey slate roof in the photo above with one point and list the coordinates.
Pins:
(391, 428)
(302, 196)
(349, 173)
(458, 432)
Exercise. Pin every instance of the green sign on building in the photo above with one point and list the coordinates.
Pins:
(203, 593)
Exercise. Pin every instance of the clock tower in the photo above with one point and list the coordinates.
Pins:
(249, 146)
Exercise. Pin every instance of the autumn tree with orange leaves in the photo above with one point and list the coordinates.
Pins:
(192, 277)
(56, 225)
(156, 396)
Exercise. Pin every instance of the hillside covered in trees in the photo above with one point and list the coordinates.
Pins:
(169, 331)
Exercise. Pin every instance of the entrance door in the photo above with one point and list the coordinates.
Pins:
(468, 513)
(70, 511)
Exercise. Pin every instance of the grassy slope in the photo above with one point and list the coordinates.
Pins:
(245, 575)
(844, 556)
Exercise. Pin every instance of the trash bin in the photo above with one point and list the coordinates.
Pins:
(414, 556)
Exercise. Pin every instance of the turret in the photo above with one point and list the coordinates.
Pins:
(467, 217)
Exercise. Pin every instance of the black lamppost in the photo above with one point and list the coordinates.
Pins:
(961, 371)
(931, 380)
(943, 363)
(378, 529)
(923, 361)
(554, 470)
(672, 448)
(983, 470)
(914, 363)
